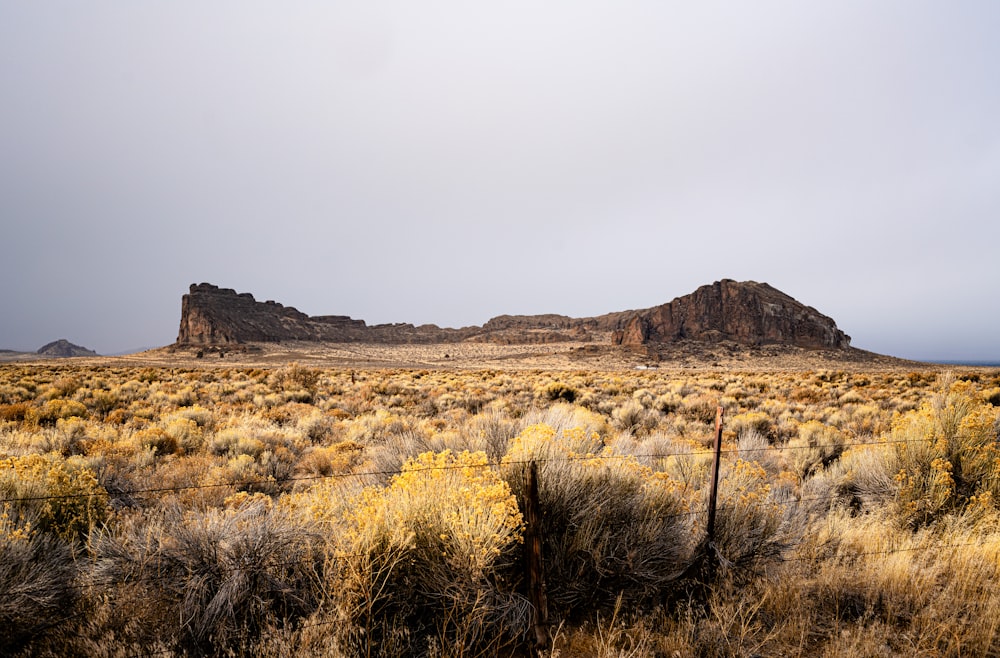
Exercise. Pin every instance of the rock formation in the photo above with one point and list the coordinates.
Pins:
(748, 313)
(217, 316)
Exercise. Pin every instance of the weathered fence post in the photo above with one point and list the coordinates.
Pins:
(713, 496)
(533, 550)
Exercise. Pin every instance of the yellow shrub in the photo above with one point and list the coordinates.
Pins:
(752, 421)
(51, 411)
(947, 452)
(558, 391)
(66, 499)
(452, 505)
(540, 442)
(433, 541)
(156, 439)
(186, 433)
(328, 460)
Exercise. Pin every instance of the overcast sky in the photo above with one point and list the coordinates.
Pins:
(445, 161)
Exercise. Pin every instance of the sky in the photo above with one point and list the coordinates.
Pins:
(446, 161)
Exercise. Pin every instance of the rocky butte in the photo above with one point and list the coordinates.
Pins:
(747, 313)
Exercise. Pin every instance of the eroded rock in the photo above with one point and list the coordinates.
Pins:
(747, 313)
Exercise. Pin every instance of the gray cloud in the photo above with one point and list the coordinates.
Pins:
(445, 162)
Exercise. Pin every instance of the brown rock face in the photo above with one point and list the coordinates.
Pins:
(217, 316)
(748, 313)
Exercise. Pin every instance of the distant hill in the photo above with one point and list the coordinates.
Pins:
(747, 313)
(57, 349)
(63, 348)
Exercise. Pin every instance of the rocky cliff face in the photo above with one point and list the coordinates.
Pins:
(218, 316)
(748, 313)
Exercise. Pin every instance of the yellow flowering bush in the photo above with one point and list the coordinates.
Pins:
(156, 440)
(751, 421)
(52, 410)
(66, 499)
(186, 433)
(434, 543)
(542, 442)
(947, 452)
(452, 505)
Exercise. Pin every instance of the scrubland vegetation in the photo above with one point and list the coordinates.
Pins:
(298, 511)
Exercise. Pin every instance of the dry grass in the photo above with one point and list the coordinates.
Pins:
(237, 509)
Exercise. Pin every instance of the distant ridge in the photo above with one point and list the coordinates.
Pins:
(747, 313)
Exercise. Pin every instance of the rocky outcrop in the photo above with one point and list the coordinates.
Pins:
(62, 348)
(748, 313)
(218, 316)
(525, 322)
(213, 316)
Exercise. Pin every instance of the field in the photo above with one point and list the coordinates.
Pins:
(237, 505)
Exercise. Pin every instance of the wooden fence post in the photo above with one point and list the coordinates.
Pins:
(533, 550)
(713, 496)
